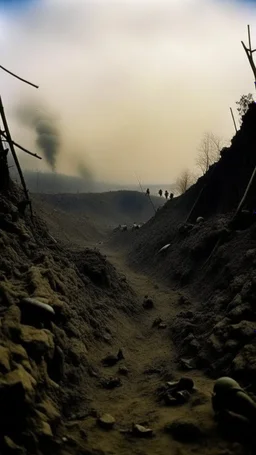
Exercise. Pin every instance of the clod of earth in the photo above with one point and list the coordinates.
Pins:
(111, 359)
(157, 321)
(148, 303)
(111, 383)
(162, 326)
(106, 421)
(123, 370)
(36, 303)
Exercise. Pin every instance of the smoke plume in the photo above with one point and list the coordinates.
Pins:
(46, 127)
(84, 172)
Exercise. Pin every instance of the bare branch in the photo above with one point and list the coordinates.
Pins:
(20, 78)
(20, 147)
(185, 180)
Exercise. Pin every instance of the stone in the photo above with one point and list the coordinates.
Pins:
(243, 331)
(4, 360)
(48, 408)
(106, 421)
(111, 383)
(162, 326)
(37, 342)
(123, 370)
(188, 364)
(242, 312)
(141, 431)
(18, 353)
(184, 431)
(157, 321)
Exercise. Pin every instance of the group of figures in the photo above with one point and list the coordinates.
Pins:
(160, 192)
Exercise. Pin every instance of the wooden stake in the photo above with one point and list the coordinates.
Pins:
(233, 118)
(8, 135)
(249, 53)
(249, 38)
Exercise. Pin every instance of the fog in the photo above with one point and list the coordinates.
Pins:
(134, 84)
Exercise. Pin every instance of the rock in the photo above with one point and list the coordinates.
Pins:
(37, 342)
(162, 326)
(44, 431)
(243, 331)
(18, 353)
(123, 370)
(242, 312)
(34, 311)
(157, 321)
(111, 383)
(17, 391)
(184, 431)
(11, 323)
(4, 360)
(141, 431)
(12, 448)
(148, 304)
(48, 408)
(106, 421)
(182, 396)
(188, 364)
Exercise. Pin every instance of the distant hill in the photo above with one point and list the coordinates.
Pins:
(53, 183)
(90, 216)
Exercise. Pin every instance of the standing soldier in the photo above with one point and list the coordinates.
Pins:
(148, 192)
(160, 192)
(171, 196)
(166, 194)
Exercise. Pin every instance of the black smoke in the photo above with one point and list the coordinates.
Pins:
(45, 125)
(84, 172)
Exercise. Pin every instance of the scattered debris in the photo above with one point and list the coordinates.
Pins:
(188, 364)
(141, 431)
(111, 383)
(162, 325)
(164, 248)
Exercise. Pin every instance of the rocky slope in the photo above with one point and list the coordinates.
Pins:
(213, 262)
(57, 310)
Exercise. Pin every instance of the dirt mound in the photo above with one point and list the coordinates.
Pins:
(57, 311)
(212, 261)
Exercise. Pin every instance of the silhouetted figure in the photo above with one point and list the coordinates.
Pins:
(166, 194)
(147, 192)
(171, 196)
(160, 192)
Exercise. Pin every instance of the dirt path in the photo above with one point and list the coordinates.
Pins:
(135, 401)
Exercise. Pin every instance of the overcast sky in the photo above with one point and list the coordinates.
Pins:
(133, 84)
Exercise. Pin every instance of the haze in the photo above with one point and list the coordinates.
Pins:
(134, 84)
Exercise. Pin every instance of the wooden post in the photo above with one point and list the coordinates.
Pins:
(233, 118)
(8, 136)
(249, 53)
(4, 170)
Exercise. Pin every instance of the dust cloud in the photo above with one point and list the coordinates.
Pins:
(46, 127)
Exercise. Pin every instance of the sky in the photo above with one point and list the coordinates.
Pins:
(130, 86)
